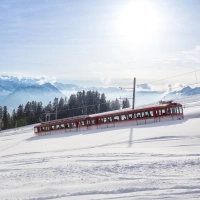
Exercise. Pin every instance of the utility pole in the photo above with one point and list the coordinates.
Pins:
(134, 84)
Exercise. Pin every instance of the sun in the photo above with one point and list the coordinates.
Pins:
(138, 21)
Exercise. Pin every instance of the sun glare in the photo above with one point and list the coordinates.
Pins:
(138, 21)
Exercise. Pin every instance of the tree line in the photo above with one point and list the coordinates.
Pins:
(82, 103)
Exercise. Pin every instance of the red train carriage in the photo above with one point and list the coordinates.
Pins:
(162, 112)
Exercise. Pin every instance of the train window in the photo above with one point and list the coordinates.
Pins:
(43, 129)
(67, 125)
(93, 121)
(116, 118)
(138, 115)
(180, 110)
(62, 126)
(57, 126)
(109, 119)
(35, 130)
(72, 124)
(52, 127)
(173, 110)
(82, 123)
(165, 111)
(103, 120)
(158, 112)
(123, 117)
(130, 116)
(88, 122)
(150, 113)
(142, 114)
(177, 109)
(134, 115)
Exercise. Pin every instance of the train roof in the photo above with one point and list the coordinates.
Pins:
(159, 104)
(66, 119)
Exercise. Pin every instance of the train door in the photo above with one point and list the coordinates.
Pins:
(36, 130)
(149, 116)
(158, 113)
(181, 116)
(141, 118)
(176, 112)
(173, 112)
(110, 122)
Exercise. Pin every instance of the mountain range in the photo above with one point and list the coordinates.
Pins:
(20, 90)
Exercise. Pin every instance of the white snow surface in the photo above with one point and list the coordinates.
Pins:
(155, 161)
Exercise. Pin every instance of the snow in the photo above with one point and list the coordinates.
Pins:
(155, 161)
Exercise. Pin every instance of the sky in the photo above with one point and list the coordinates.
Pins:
(101, 42)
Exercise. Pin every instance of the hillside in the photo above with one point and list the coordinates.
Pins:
(156, 161)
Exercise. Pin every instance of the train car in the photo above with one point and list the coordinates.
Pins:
(164, 111)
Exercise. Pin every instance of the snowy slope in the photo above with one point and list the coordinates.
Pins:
(156, 161)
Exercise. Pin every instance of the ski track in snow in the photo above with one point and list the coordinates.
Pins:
(162, 161)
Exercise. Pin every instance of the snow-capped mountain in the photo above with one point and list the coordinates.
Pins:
(20, 90)
(186, 91)
(44, 93)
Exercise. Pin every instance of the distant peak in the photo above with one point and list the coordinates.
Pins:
(44, 79)
(39, 80)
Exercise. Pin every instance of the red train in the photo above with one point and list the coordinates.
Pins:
(162, 112)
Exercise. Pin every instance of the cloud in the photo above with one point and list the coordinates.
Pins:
(45, 79)
(104, 79)
(192, 55)
(41, 79)
(143, 87)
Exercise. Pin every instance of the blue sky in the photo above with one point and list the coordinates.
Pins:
(100, 42)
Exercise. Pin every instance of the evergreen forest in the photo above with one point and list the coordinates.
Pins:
(82, 103)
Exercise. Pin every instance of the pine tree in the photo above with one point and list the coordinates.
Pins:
(80, 104)
(103, 105)
(72, 105)
(14, 119)
(1, 112)
(114, 105)
(96, 102)
(9, 120)
(1, 118)
(20, 112)
(39, 114)
(61, 104)
(125, 103)
(5, 118)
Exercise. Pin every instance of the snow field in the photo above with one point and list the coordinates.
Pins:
(156, 161)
